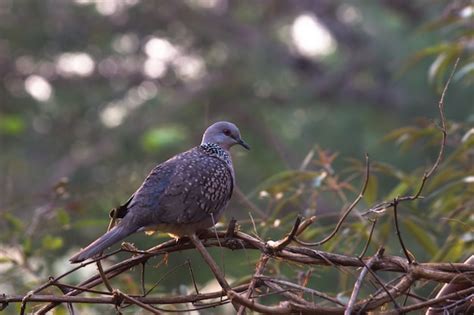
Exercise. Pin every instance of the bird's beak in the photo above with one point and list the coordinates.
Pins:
(242, 143)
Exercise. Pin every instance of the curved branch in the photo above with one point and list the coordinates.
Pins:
(346, 212)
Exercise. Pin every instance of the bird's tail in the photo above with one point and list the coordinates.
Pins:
(116, 234)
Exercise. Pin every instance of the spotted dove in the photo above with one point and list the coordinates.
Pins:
(181, 196)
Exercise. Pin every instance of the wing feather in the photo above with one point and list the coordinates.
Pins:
(185, 189)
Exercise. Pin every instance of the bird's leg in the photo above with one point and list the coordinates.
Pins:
(229, 234)
(181, 240)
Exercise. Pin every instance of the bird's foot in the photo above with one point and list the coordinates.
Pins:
(182, 240)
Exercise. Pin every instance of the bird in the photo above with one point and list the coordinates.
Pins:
(181, 196)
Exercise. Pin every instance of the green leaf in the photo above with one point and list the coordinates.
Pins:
(422, 236)
(439, 67)
(50, 242)
(399, 190)
(399, 133)
(27, 246)
(15, 223)
(371, 191)
(157, 138)
(453, 251)
(5, 260)
(11, 124)
(416, 58)
(444, 21)
(387, 169)
(464, 71)
(63, 217)
(285, 179)
(436, 67)
(444, 178)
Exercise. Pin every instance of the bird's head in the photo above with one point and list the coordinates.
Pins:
(225, 134)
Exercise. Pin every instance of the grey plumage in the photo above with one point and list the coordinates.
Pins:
(185, 194)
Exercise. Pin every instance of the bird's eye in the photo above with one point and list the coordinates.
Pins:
(227, 132)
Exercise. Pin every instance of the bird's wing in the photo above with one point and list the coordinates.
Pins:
(135, 213)
(187, 188)
(121, 210)
(200, 187)
(145, 201)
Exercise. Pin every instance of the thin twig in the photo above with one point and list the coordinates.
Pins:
(444, 132)
(305, 224)
(438, 272)
(188, 262)
(358, 284)
(366, 247)
(104, 277)
(304, 279)
(431, 302)
(374, 302)
(383, 286)
(219, 242)
(73, 287)
(399, 235)
(279, 245)
(287, 293)
(302, 289)
(110, 299)
(163, 277)
(459, 305)
(142, 278)
(213, 266)
(389, 284)
(346, 212)
(262, 262)
(254, 225)
(137, 302)
(23, 302)
(389, 204)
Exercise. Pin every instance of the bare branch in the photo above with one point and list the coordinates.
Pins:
(302, 289)
(104, 277)
(112, 300)
(389, 204)
(369, 239)
(444, 132)
(399, 235)
(438, 272)
(213, 265)
(358, 284)
(137, 302)
(262, 262)
(455, 295)
(279, 245)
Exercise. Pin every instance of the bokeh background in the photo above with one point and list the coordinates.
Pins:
(94, 93)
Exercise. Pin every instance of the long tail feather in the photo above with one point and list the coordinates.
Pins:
(108, 239)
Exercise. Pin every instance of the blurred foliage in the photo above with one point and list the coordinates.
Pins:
(457, 24)
(11, 124)
(94, 93)
(157, 138)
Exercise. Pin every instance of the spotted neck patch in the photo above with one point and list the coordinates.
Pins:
(213, 149)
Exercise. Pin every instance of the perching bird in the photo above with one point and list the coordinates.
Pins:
(181, 196)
